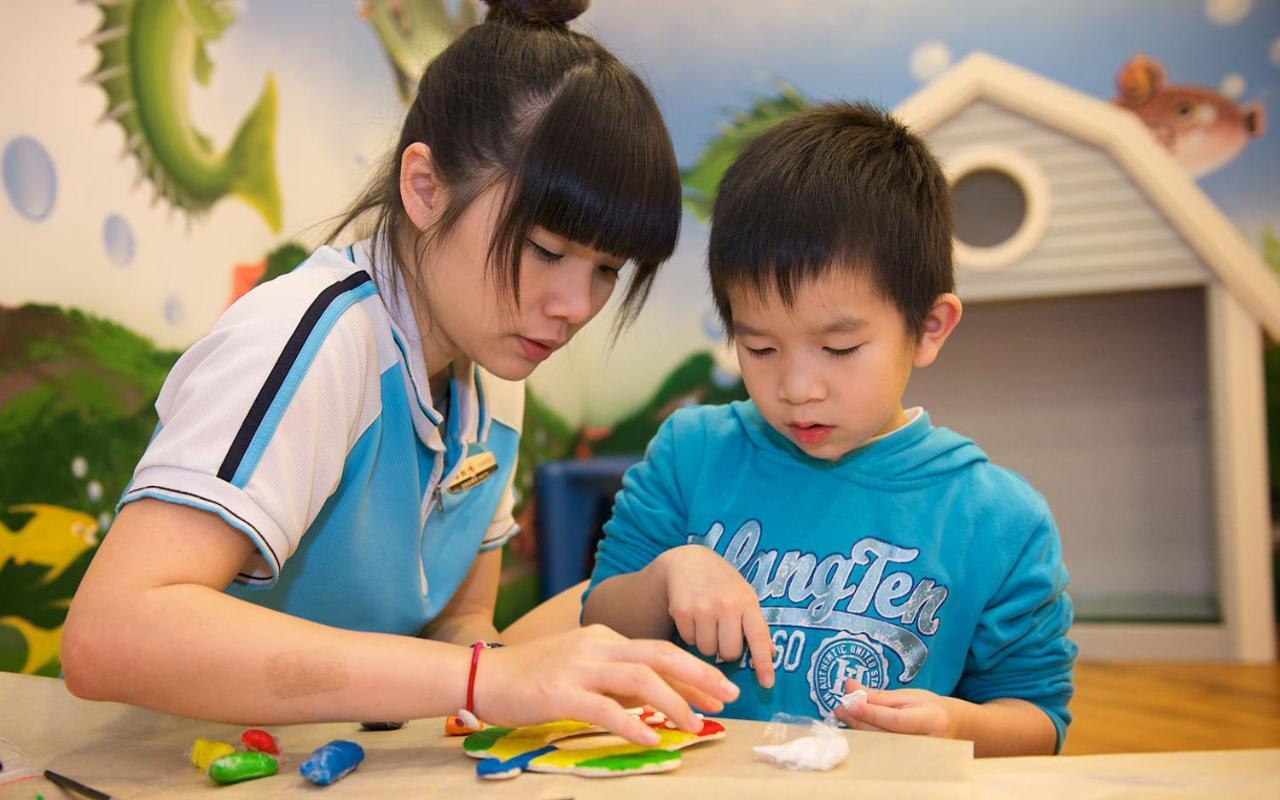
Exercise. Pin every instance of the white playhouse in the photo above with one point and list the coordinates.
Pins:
(1111, 352)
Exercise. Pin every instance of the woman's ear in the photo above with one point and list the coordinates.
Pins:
(938, 325)
(420, 187)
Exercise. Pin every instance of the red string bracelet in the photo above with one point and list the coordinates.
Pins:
(471, 679)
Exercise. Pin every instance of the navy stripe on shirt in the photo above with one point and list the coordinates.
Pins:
(253, 420)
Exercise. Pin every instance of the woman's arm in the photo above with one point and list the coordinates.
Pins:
(151, 626)
(555, 615)
(468, 617)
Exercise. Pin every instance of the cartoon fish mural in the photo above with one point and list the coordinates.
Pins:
(700, 180)
(412, 32)
(42, 645)
(148, 51)
(1202, 129)
(54, 537)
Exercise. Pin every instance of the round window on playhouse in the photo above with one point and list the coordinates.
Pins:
(1001, 203)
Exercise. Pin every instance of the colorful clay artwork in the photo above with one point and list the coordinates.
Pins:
(332, 762)
(506, 752)
(260, 741)
(239, 767)
(205, 751)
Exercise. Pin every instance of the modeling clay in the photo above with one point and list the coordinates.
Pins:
(260, 741)
(239, 767)
(382, 726)
(330, 763)
(457, 726)
(854, 698)
(206, 751)
(506, 752)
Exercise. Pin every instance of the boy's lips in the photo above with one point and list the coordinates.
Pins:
(809, 432)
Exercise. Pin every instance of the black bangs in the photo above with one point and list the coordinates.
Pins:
(599, 170)
(837, 187)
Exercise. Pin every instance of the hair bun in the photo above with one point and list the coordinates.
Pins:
(536, 12)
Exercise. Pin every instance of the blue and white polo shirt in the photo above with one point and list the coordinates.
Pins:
(304, 420)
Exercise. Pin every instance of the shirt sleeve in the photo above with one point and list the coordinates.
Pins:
(649, 513)
(503, 526)
(257, 418)
(1020, 648)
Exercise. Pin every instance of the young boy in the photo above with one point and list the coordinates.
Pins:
(848, 542)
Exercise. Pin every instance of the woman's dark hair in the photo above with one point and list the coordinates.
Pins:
(839, 186)
(573, 133)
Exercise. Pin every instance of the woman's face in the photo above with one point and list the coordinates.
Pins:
(563, 284)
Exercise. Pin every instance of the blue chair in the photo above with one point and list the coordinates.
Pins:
(575, 498)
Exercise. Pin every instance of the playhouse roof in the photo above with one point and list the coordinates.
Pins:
(1121, 134)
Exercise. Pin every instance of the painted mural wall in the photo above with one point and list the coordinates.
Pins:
(161, 157)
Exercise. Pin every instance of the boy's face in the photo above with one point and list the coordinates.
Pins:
(828, 373)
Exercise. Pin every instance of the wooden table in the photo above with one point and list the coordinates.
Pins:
(130, 752)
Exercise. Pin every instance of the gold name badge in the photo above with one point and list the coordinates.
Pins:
(474, 470)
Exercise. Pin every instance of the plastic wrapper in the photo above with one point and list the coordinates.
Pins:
(803, 744)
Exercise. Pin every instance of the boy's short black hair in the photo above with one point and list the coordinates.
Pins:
(839, 186)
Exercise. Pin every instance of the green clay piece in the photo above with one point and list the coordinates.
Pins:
(483, 740)
(239, 767)
(629, 761)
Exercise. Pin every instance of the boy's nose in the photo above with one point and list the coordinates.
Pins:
(801, 384)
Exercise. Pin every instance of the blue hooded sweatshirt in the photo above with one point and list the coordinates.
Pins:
(911, 562)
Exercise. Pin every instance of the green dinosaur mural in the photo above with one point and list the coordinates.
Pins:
(148, 51)
(700, 180)
(412, 32)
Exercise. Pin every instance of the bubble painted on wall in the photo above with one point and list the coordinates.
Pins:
(117, 240)
(929, 60)
(30, 180)
(723, 377)
(711, 326)
(1227, 12)
(174, 313)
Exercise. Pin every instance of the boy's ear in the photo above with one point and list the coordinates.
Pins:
(420, 188)
(938, 325)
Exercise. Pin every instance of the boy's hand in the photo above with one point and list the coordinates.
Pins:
(897, 711)
(714, 608)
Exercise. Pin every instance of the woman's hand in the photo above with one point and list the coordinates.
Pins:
(714, 608)
(898, 711)
(592, 674)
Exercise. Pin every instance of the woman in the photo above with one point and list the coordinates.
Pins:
(342, 443)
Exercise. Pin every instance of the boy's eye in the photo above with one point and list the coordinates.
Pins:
(759, 352)
(610, 272)
(842, 352)
(543, 253)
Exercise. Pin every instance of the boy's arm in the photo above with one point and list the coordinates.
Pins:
(647, 580)
(1020, 647)
(1001, 727)
(1012, 697)
(634, 604)
(628, 592)
(1005, 726)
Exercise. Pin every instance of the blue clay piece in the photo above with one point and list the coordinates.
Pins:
(497, 769)
(331, 763)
